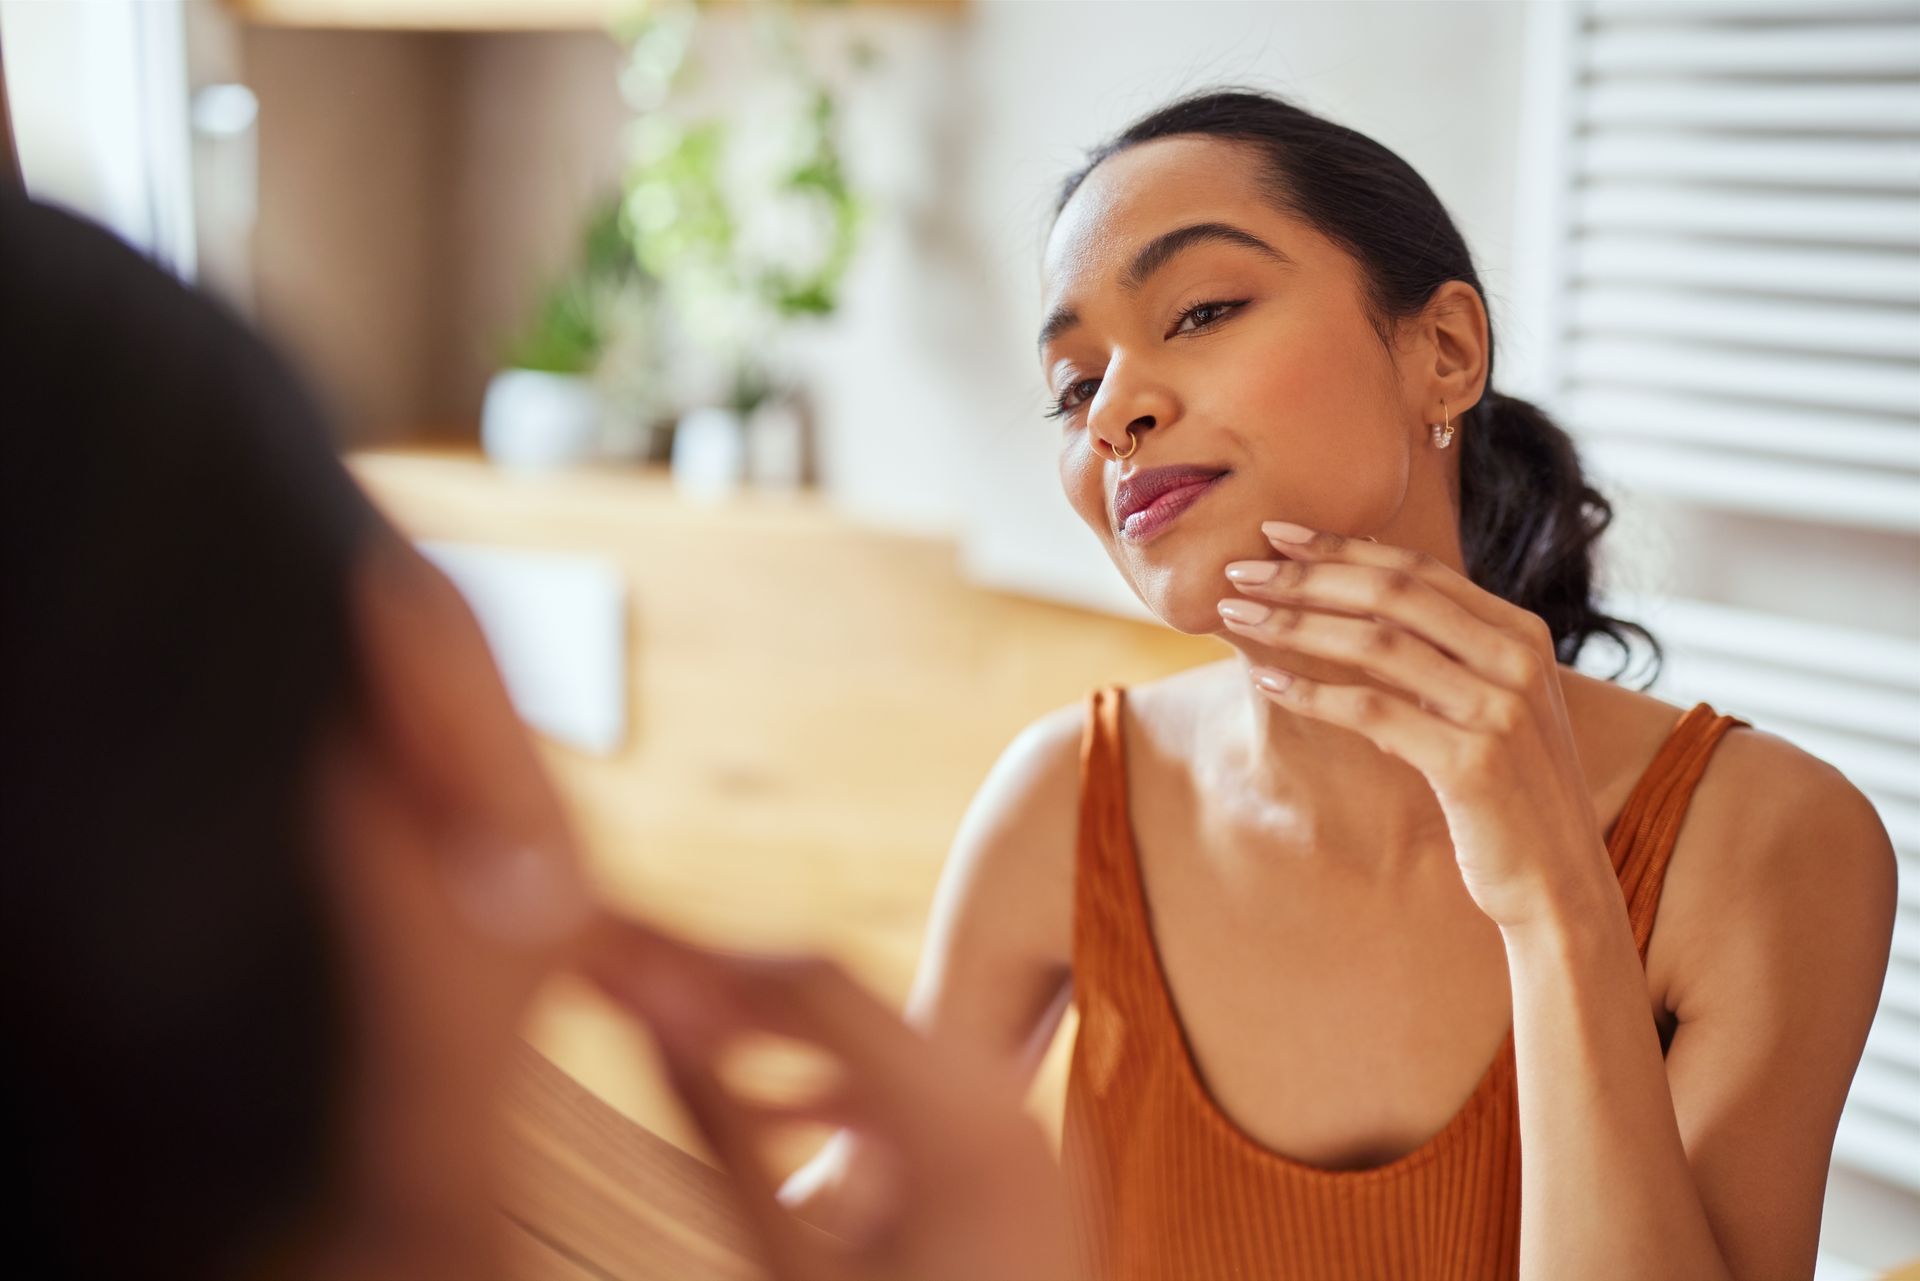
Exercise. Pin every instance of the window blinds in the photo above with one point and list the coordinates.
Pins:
(1718, 290)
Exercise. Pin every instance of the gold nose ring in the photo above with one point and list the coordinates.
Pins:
(1133, 444)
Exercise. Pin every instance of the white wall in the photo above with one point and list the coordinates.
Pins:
(98, 104)
(931, 393)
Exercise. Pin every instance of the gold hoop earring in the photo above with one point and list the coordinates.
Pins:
(1443, 430)
(1133, 445)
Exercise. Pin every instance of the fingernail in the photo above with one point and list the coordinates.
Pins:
(1252, 571)
(1286, 531)
(1272, 678)
(1245, 611)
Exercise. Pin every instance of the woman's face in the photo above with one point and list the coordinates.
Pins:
(1233, 340)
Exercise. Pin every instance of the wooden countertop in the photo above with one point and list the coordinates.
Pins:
(589, 1195)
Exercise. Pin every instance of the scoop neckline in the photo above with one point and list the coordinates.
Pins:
(1494, 1077)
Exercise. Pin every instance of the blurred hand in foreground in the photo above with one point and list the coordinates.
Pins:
(974, 1193)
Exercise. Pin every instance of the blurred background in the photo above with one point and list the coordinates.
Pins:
(694, 341)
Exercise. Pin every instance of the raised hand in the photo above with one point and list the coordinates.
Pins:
(1474, 703)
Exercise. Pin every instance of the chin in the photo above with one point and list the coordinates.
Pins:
(1182, 576)
(1193, 622)
(1192, 612)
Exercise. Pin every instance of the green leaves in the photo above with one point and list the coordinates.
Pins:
(747, 220)
(565, 336)
(568, 332)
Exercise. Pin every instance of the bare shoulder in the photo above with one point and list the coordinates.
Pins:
(1761, 797)
(1006, 894)
(1811, 840)
(1035, 781)
(1007, 891)
(1798, 809)
(1782, 885)
(1790, 829)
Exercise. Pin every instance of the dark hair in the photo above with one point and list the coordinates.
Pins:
(1528, 518)
(179, 538)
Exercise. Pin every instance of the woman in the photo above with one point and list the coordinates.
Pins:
(285, 872)
(1358, 915)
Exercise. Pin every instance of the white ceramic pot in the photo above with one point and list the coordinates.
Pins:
(532, 420)
(709, 454)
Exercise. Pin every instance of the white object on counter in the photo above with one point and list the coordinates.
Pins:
(532, 420)
(709, 454)
(557, 625)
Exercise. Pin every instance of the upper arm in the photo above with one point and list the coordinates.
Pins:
(1776, 979)
(995, 967)
(994, 971)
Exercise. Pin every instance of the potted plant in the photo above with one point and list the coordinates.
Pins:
(561, 395)
(746, 220)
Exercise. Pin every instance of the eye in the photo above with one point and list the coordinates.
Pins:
(1073, 397)
(1204, 315)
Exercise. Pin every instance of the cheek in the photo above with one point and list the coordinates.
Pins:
(1319, 415)
(1082, 478)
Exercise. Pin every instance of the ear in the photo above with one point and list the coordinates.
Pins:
(437, 716)
(1451, 353)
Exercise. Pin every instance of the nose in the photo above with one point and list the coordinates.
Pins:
(1121, 449)
(1123, 412)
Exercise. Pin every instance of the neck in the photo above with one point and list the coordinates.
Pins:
(1367, 803)
(1344, 798)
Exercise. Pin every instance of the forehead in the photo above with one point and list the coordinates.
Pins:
(1151, 188)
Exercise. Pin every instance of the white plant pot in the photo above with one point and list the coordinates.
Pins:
(532, 420)
(709, 454)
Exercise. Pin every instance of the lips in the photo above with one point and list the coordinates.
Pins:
(1148, 501)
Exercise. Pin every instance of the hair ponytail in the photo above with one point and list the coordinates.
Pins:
(1529, 521)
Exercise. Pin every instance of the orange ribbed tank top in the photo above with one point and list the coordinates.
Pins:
(1166, 1185)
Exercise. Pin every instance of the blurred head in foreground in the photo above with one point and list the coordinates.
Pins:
(283, 868)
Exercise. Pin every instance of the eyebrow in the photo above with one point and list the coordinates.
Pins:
(1157, 253)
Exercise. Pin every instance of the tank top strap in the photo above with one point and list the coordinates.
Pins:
(1109, 905)
(1103, 770)
(1643, 836)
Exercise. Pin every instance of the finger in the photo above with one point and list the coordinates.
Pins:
(1383, 649)
(1386, 719)
(660, 979)
(731, 1132)
(712, 996)
(897, 1090)
(809, 995)
(813, 998)
(1299, 542)
(1398, 596)
(693, 1001)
